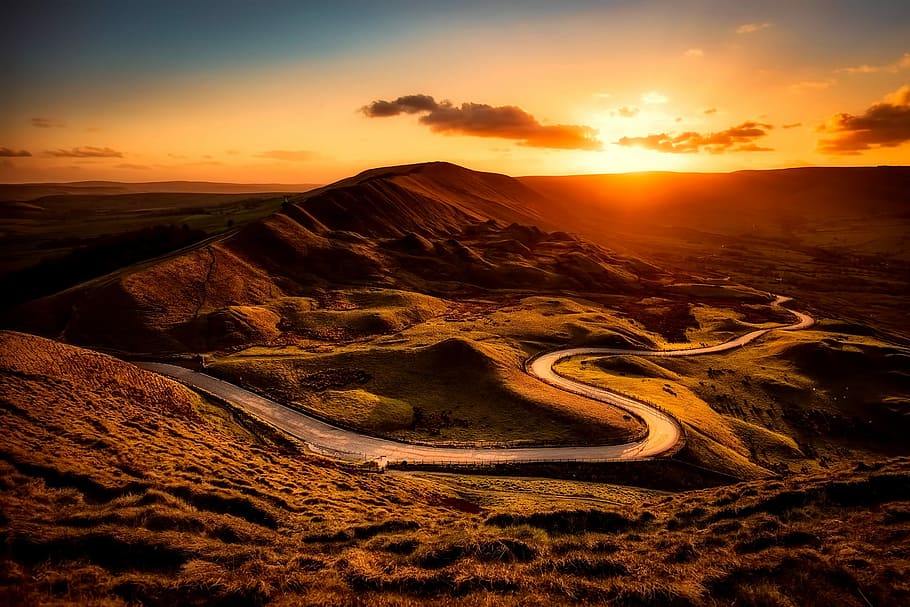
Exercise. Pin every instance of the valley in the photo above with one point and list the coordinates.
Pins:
(336, 356)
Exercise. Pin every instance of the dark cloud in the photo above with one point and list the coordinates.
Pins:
(409, 104)
(8, 153)
(482, 120)
(85, 152)
(710, 110)
(288, 155)
(885, 124)
(133, 167)
(47, 123)
(735, 139)
(627, 111)
(791, 126)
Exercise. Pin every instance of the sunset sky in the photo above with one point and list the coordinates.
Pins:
(296, 92)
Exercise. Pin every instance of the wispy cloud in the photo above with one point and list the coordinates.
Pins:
(751, 28)
(202, 163)
(9, 153)
(884, 125)
(709, 111)
(288, 155)
(901, 64)
(813, 84)
(84, 152)
(482, 120)
(130, 166)
(47, 123)
(739, 138)
(627, 111)
(654, 98)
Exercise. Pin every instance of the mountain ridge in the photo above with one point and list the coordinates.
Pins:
(432, 228)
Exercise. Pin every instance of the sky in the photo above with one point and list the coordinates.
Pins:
(298, 92)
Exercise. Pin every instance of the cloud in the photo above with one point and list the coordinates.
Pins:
(85, 152)
(134, 167)
(735, 139)
(791, 126)
(885, 124)
(654, 98)
(288, 155)
(751, 28)
(8, 153)
(813, 84)
(627, 111)
(482, 120)
(901, 64)
(709, 111)
(47, 123)
(408, 104)
(202, 163)
(694, 52)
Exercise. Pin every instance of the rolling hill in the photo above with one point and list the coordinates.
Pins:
(834, 237)
(433, 228)
(119, 487)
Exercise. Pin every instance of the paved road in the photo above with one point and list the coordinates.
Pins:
(664, 431)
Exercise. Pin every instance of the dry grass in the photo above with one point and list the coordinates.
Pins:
(111, 495)
(460, 374)
(118, 487)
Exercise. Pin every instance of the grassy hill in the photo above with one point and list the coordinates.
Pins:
(436, 228)
(120, 487)
(836, 238)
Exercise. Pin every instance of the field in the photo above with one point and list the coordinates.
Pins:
(834, 238)
(450, 373)
(113, 494)
(403, 302)
(793, 401)
(54, 241)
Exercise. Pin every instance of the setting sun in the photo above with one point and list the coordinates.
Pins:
(510, 303)
(286, 93)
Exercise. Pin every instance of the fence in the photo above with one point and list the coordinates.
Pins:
(338, 453)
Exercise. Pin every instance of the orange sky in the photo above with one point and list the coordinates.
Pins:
(644, 87)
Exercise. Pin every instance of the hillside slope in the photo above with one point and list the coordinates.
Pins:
(835, 238)
(433, 228)
(113, 494)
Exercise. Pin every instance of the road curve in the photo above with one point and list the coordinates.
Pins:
(664, 431)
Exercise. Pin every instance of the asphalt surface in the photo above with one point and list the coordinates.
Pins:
(664, 431)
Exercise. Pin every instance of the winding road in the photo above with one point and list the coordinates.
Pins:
(664, 431)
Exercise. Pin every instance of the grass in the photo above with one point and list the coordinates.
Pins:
(790, 401)
(56, 242)
(456, 390)
(447, 372)
(384, 307)
(111, 494)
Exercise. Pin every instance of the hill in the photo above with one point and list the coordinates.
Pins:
(836, 238)
(119, 487)
(434, 228)
(29, 191)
